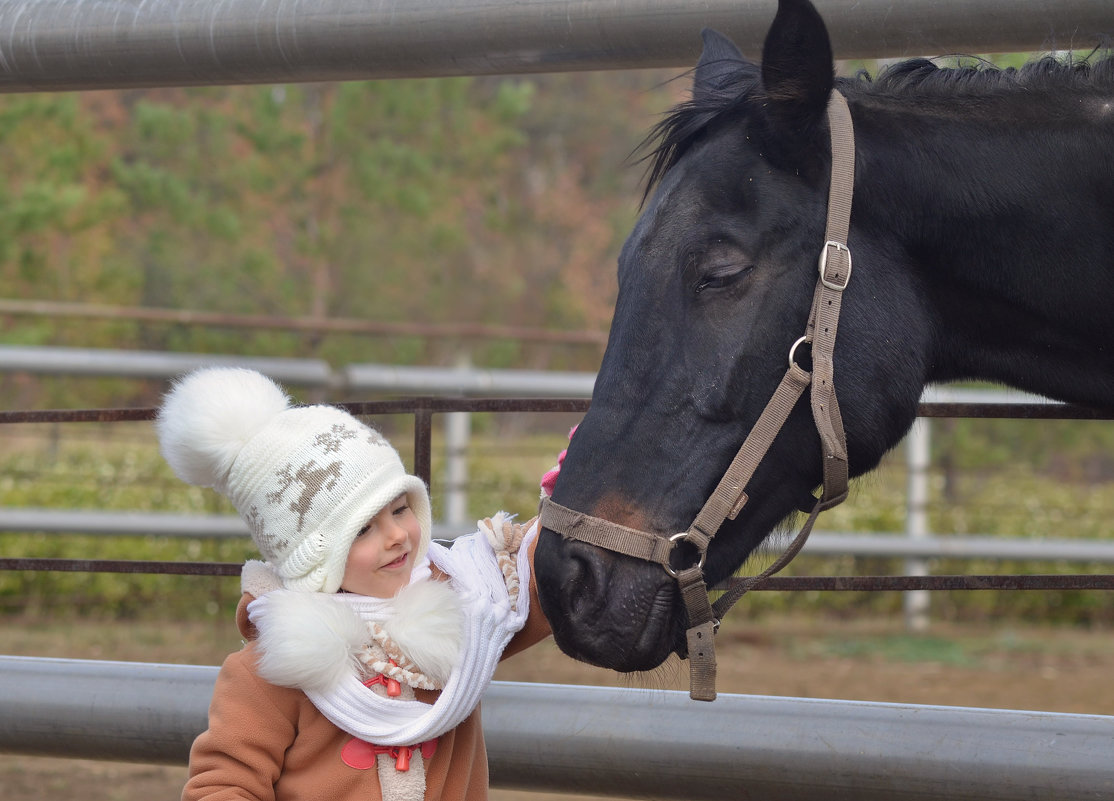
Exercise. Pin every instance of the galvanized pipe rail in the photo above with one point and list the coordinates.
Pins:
(313, 374)
(606, 741)
(49, 45)
(821, 543)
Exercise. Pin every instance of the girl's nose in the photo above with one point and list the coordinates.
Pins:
(395, 532)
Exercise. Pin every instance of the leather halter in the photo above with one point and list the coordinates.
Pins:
(730, 494)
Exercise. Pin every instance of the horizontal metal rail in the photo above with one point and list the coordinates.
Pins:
(154, 524)
(431, 385)
(1065, 581)
(399, 406)
(1018, 411)
(960, 546)
(605, 741)
(48, 45)
(820, 543)
(1023, 411)
(313, 373)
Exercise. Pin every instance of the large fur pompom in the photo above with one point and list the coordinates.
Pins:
(428, 625)
(307, 640)
(207, 418)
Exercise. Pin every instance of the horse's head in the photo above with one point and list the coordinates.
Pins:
(715, 285)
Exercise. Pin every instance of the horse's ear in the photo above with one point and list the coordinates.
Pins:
(797, 73)
(718, 63)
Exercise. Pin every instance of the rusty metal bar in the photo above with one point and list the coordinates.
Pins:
(1067, 581)
(1024, 411)
(400, 406)
(1077, 581)
(441, 405)
(77, 415)
(122, 566)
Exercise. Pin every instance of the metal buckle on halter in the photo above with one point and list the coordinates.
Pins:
(675, 538)
(830, 283)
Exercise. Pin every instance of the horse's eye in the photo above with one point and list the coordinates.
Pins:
(722, 278)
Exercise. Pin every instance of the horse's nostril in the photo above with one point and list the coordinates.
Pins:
(579, 585)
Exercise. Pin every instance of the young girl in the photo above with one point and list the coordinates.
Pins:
(367, 646)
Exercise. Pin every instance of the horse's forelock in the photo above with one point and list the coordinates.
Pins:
(675, 135)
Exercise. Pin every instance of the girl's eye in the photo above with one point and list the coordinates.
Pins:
(364, 530)
(402, 509)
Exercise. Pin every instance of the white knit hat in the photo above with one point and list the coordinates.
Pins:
(305, 478)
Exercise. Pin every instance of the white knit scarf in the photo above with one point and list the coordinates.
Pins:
(490, 619)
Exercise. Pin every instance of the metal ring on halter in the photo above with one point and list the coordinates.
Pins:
(793, 348)
(669, 568)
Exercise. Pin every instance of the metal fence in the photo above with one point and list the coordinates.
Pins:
(423, 410)
(514, 391)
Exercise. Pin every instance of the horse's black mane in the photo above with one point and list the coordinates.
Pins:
(917, 78)
(924, 78)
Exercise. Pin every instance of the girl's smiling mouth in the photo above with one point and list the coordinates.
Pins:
(397, 563)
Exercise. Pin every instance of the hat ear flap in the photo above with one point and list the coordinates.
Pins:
(207, 418)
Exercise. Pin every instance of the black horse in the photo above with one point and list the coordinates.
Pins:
(982, 235)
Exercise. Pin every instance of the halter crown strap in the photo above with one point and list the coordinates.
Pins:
(729, 496)
(835, 272)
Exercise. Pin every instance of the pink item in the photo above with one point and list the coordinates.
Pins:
(550, 477)
(361, 756)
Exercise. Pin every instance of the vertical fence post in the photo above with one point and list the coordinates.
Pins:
(458, 426)
(916, 602)
(423, 444)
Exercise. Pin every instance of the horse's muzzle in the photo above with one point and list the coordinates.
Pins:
(606, 609)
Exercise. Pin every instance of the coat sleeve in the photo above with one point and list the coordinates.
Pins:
(251, 725)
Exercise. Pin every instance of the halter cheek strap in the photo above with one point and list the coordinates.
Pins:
(730, 496)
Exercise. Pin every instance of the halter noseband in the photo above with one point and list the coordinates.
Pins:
(729, 496)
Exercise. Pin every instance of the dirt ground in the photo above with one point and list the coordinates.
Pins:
(1007, 666)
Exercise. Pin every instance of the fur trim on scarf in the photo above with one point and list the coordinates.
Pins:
(311, 641)
(307, 640)
(427, 628)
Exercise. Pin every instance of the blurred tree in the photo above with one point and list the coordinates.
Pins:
(494, 200)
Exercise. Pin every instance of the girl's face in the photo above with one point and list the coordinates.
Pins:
(382, 555)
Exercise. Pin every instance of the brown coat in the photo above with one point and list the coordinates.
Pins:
(270, 743)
